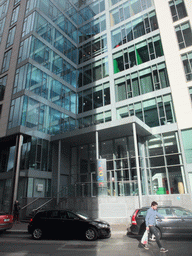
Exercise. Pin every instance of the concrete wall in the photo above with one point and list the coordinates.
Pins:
(178, 84)
(120, 209)
(87, 205)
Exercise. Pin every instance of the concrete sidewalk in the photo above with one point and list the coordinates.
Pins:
(115, 228)
(19, 227)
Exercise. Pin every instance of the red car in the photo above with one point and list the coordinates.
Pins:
(6, 221)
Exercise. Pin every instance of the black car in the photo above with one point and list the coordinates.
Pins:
(67, 224)
(178, 222)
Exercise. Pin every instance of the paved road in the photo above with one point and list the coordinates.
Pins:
(21, 244)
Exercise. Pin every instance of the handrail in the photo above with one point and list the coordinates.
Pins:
(96, 182)
(34, 210)
(93, 189)
(30, 203)
(68, 193)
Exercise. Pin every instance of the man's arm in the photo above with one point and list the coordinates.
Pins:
(161, 216)
(147, 220)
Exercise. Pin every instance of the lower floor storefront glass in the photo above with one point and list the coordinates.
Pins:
(5, 195)
(160, 166)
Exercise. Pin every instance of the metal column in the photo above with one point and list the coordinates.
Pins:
(137, 164)
(19, 143)
(59, 171)
(97, 145)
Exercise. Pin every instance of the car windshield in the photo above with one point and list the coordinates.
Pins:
(82, 215)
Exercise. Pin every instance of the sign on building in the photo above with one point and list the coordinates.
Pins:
(102, 176)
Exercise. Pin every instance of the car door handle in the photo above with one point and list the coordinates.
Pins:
(159, 220)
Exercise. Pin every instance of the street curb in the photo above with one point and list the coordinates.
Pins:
(17, 231)
(26, 231)
(116, 229)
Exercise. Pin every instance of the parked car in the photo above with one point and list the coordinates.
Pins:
(68, 224)
(178, 222)
(6, 221)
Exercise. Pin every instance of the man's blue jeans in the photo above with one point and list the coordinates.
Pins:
(153, 230)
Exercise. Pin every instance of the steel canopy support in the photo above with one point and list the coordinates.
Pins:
(137, 164)
(19, 142)
(97, 145)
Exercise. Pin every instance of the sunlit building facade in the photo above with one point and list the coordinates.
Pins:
(95, 104)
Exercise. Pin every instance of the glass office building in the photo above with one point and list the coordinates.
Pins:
(84, 83)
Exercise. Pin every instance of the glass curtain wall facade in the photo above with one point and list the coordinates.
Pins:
(160, 160)
(86, 63)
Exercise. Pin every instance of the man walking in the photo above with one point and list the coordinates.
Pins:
(150, 221)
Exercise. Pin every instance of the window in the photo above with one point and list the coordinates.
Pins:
(141, 82)
(142, 213)
(3, 8)
(187, 143)
(30, 5)
(154, 112)
(97, 6)
(11, 36)
(2, 23)
(72, 216)
(39, 154)
(53, 214)
(24, 49)
(165, 164)
(137, 54)
(187, 63)
(127, 10)
(184, 35)
(41, 215)
(92, 49)
(28, 24)
(94, 119)
(38, 51)
(94, 98)
(93, 28)
(63, 214)
(31, 78)
(165, 211)
(17, 1)
(0, 110)
(15, 15)
(180, 212)
(97, 96)
(178, 10)
(93, 72)
(6, 61)
(87, 100)
(3, 81)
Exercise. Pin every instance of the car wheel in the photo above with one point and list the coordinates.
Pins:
(159, 233)
(37, 233)
(91, 234)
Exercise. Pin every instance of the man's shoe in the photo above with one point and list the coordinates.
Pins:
(145, 246)
(163, 250)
